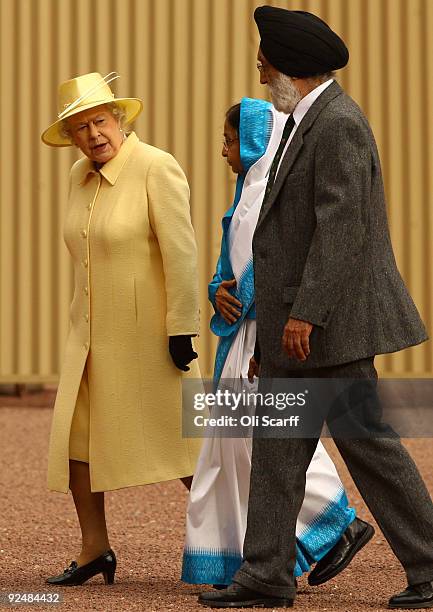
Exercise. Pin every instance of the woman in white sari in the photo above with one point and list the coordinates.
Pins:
(218, 505)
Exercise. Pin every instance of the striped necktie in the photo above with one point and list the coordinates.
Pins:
(290, 124)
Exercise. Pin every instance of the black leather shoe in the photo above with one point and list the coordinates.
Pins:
(220, 587)
(338, 558)
(74, 575)
(415, 597)
(238, 596)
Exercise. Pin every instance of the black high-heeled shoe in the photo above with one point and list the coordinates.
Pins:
(74, 575)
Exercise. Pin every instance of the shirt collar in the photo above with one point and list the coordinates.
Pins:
(112, 169)
(304, 105)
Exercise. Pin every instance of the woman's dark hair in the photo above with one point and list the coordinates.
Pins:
(233, 116)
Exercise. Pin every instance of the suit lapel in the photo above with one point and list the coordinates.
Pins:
(286, 164)
(296, 144)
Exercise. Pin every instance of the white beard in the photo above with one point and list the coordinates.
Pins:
(285, 96)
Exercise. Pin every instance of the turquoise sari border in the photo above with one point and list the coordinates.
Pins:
(213, 566)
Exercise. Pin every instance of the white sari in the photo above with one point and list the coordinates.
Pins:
(218, 503)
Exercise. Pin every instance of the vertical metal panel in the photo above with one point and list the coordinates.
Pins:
(427, 156)
(25, 284)
(143, 66)
(8, 194)
(41, 201)
(416, 246)
(189, 60)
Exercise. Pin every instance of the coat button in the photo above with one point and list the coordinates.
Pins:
(86, 290)
(86, 346)
(83, 233)
(86, 318)
(85, 263)
(89, 206)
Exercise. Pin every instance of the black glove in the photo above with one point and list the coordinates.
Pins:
(181, 351)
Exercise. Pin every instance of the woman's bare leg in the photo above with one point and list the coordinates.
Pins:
(91, 513)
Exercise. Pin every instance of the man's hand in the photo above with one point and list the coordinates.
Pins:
(253, 370)
(227, 305)
(295, 340)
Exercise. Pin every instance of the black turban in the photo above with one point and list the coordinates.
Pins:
(298, 43)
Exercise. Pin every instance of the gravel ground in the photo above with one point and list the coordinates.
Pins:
(39, 534)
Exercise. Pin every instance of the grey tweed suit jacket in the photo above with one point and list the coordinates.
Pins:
(322, 249)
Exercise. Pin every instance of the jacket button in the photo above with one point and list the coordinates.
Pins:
(86, 318)
(83, 233)
(85, 263)
(89, 206)
(86, 346)
(86, 290)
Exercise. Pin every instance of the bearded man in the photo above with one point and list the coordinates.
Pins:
(329, 298)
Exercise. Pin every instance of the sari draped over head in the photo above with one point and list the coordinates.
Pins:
(259, 136)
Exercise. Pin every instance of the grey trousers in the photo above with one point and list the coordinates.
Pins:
(383, 471)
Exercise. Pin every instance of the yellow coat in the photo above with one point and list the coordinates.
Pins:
(129, 232)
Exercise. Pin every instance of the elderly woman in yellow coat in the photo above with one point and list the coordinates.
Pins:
(117, 417)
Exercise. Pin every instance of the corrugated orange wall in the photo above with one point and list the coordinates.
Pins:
(190, 60)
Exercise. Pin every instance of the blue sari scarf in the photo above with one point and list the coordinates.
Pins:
(256, 122)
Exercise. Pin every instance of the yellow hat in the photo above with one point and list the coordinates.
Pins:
(85, 92)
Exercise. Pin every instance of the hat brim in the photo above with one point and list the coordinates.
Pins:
(53, 137)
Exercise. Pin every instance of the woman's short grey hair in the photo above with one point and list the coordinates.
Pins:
(115, 109)
(118, 112)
